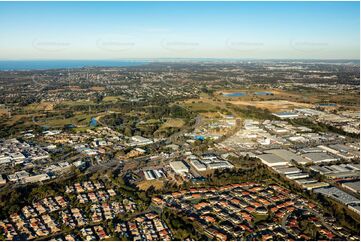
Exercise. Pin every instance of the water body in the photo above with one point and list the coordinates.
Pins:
(235, 94)
(327, 104)
(263, 93)
(27, 65)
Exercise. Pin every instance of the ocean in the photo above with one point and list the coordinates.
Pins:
(26, 65)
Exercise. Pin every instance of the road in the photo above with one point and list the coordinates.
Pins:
(318, 215)
(174, 137)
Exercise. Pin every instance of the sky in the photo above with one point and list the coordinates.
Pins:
(141, 30)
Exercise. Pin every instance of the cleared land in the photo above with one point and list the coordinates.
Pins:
(144, 185)
(274, 105)
(78, 119)
(43, 106)
(173, 123)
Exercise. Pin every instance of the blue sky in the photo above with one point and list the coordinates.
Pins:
(124, 30)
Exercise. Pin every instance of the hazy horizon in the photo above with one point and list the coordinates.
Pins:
(178, 30)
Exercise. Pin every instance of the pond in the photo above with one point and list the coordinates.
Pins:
(263, 93)
(234, 94)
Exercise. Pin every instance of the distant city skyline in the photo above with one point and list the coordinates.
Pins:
(151, 30)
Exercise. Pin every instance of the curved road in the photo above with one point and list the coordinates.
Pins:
(174, 137)
(318, 215)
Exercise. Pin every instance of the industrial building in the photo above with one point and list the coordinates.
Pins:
(338, 195)
(297, 176)
(287, 155)
(320, 157)
(284, 115)
(272, 160)
(315, 185)
(179, 167)
(353, 186)
(153, 174)
(199, 166)
(219, 165)
(285, 170)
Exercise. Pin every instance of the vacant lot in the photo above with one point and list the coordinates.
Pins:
(144, 185)
(173, 123)
(3, 111)
(112, 98)
(274, 105)
(43, 106)
(201, 105)
(97, 88)
(77, 120)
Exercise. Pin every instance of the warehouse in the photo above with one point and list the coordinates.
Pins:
(297, 176)
(284, 115)
(272, 160)
(199, 166)
(220, 165)
(36, 178)
(320, 157)
(287, 156)
(321, 170)
(339, 168)
(353, 186)
(305, 181)
(354, 166)
(179, 167)
(311, 186)
(338, 195)
(287, 170)
(153, 174)
(312, 150)
(2, 180)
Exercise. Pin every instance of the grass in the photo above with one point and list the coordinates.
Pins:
(112, 98)
(144, 185)
(97, 88)
(259, 217)
(81, 129)
(272, 105)
(173, 123)
(201, 106)
(43, 106)
(212, 115)
(78, 102)
(82, 119)
(3, 111)
(301, 96)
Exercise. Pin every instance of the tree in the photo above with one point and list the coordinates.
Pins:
(128, 131)
(68, 114)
